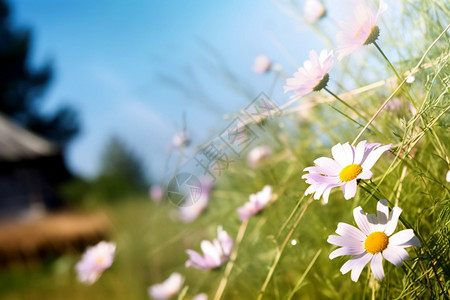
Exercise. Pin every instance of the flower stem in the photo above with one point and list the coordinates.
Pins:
(226, 274)
(345, 103)
(395, 71)
(401, 84)
(387, 60)
(300, 281)
(280, 252)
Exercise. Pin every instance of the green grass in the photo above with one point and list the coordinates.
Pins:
(151, 242)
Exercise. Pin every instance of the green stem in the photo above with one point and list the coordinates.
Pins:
(299, 283)
(424, 247)
(387, 60)
(229, 267)
(345, 103)
(416, 68)
(281, 250)
(395, 72)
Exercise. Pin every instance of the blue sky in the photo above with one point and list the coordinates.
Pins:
(122, 64)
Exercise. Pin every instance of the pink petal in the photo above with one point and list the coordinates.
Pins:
(374, 156)
(195, 260)
(331, 165)
(211, 254)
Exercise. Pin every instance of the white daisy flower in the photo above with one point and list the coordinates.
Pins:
(262, 64)
(95, 261)
(349, 164)
(167, 289)
(373, 241)
(256, 203)
(314, 10)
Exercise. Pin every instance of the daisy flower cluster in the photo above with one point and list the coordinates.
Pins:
(345, 174)
(373, 241)
(350, 164)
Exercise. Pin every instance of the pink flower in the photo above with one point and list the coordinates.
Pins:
(169, 288)
(398, 106)
(181, 139)
(257, 154)
(358, 30)
(262, 64)
(156, 193)
(313, 76)
(257, 202)
(349, 164)
(94, 261)
(189, 213)
(215, 253)
(201, 296)
(373, 241)
(448, 176)
(313, 10)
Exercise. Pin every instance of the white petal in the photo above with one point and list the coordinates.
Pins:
(382, 211)
(351, 232)
(349, 152)
(349, 189)
(320, 191)
(374, 156)
(377, 266)
(340, 156)
(332, 167)
(343, 241)
(392, 221)
(351, 263)
(211, 253)
(326, 194)
(373, 222)
(195, 259)
(365, 175)
(361, 220)
(362, 262)
(395, 255)
(346, 251)
(356, 264)
(359, 152)
(404, 238)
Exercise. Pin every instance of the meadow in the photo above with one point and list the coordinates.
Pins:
(399, 96)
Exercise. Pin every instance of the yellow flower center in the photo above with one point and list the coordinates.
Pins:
(99, 260)
(376, 242)
(350, 172)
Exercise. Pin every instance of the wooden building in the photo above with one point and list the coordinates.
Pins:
(30, 169)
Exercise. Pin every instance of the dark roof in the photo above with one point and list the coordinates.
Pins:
(17, 143)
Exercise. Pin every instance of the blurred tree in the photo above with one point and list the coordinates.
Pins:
(22, 87)
(121, 171)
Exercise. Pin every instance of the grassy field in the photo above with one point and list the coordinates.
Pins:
(282, 252)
